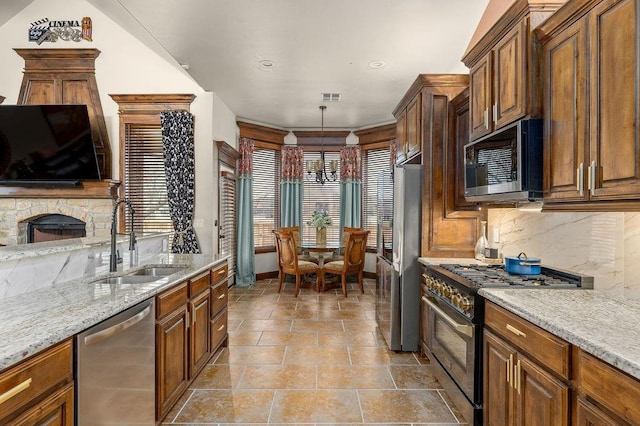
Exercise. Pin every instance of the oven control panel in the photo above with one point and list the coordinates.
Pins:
(450, 294)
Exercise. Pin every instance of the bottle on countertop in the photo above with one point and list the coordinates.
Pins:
(482, 243)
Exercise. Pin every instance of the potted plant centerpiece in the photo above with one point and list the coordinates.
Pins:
(320, 220)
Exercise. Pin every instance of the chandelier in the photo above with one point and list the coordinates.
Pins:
(317, 167)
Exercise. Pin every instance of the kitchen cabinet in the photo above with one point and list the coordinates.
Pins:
(199, 329)
(525, 372)
(591, 66)
(409, 135)
(606, 396)
(191, 323)
(448, 229)
(39, 390)
(172, 347)
(503, 68)
(498, 83)
(219, 297)
(458, 138)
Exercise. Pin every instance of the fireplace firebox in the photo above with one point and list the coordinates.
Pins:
(53, 227)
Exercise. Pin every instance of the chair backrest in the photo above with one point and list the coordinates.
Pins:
(286, 251)
(295, 231)
(355, 251)
(345, 238)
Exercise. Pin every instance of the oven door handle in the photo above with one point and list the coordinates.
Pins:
(467, 330)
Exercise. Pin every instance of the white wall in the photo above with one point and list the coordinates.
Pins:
(126, 66)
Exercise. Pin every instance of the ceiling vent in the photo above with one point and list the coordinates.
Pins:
(331, 97)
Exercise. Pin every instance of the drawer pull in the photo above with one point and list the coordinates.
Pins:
(222, 296)
(15, 390)
(515, 331)
(221, 272)
(221, 327)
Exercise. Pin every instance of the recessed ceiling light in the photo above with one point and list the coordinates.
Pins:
(376, 64)
(266, 65)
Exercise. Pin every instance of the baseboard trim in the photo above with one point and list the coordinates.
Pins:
(266, 275)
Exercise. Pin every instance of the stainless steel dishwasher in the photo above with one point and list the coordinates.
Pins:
(115, 369)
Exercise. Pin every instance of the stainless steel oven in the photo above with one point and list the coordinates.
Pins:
(452, 339)
(452, 321)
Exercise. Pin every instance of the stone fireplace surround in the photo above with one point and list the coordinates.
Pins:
(91, 203)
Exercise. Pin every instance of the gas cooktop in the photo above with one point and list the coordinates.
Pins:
(496, 276)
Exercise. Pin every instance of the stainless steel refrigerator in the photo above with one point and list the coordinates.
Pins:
(398, 281)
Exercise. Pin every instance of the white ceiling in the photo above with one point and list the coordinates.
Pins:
(316, 46)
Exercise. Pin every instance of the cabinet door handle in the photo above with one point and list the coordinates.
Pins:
(518, 378)
(15, 390)
(592, 176)
(509, 369)
(222, 296)
(486, 118)
(515, 331)
(221, 327)
(495, 113)
(580, 179)
(186, 322)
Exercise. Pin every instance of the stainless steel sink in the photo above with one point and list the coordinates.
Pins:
(155, 271)
(128, 279)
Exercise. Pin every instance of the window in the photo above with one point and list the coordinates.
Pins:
(321, 197)
(144, 181)
(266, 196)
(374, 162)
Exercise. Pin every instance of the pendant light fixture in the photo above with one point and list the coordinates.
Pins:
(317, 167)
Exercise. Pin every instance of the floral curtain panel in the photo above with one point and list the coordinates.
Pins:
(350, 187)
(179, 160)
(291, 186)
(245, 262)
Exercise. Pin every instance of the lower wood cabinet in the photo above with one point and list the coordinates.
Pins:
(520, 387)
(39, 391)
(606, 394)
(172, 347)
(191, 321)
(55, 410)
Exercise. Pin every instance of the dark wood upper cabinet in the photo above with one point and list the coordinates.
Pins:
(504, 71)
(432, 123)
(591, 66)
(67, 76)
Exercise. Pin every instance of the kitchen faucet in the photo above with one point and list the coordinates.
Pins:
(113, 257)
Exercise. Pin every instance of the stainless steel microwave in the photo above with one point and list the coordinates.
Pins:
(505, 166)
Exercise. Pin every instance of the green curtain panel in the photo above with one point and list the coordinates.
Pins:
(350, 187)
(291, 186)
(245, 261)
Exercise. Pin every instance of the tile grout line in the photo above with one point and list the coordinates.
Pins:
(447, 405)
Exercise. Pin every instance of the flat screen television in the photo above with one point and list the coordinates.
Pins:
(46, 145)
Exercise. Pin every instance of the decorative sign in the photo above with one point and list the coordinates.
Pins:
(71, 30)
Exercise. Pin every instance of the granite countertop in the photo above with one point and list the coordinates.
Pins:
(599, 323)
(36, 320)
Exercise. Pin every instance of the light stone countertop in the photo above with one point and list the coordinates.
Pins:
(21, 251)
(33, 321)
(599, 323)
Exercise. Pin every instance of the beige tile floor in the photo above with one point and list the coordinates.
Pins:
(314, 359)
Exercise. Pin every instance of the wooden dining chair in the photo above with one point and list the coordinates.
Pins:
(288, 262)
(295, 231)
(339, 254)
(352, 264)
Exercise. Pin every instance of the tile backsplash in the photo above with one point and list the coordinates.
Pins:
(605, 245)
